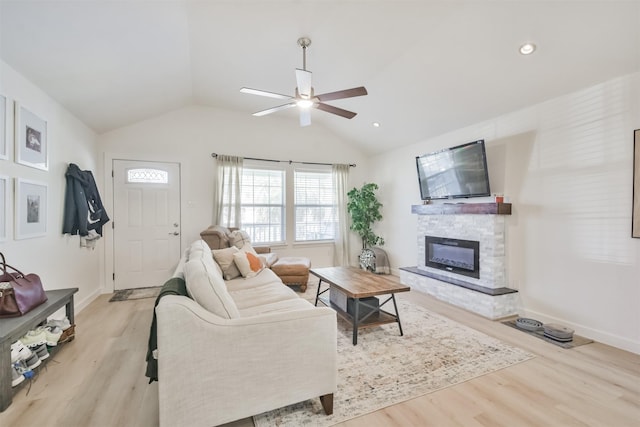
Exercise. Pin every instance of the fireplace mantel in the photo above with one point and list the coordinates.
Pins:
(481, 222)
(462, 209)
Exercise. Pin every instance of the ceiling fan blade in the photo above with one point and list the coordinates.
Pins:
(335, 110)
(264, 93)
(274, 109)
(303, 78)
(341, 94)
(305, 116)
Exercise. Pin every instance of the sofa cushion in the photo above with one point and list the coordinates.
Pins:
(261, 295)
(196, 248)
(249, 264)
(207, 287)
(276, 307)
(224, 258)
(264, 277)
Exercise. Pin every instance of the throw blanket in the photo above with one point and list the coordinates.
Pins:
(173, 286)
(382, 262)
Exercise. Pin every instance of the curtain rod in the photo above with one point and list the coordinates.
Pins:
(353, 165)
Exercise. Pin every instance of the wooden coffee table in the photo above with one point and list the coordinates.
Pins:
(357, 284)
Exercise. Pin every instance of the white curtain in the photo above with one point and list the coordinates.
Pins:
(226, 209)
(341, 252)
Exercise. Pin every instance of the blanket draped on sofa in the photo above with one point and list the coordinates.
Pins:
(173, 286)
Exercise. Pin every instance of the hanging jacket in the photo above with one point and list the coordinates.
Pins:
(83, 209)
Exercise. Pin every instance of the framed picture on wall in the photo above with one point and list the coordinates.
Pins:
(635, 216)
(4, 206)
(31, 144)
(3, 127)
(31, 208)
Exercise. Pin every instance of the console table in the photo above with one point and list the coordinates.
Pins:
(11, 329)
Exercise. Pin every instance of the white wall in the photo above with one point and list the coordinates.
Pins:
(58, 259)
(191, 134)
(566, 166)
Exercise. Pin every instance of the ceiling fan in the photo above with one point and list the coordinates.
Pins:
(304, 97)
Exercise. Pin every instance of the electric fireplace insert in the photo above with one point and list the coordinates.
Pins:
(453, 255)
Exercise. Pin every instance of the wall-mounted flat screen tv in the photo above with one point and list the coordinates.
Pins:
(454, 172)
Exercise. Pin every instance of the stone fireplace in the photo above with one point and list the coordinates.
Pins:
(462, 257)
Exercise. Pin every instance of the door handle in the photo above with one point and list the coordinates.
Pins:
(175, 233)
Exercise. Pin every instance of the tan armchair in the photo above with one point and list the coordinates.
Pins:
(293, 271)
(217, 237)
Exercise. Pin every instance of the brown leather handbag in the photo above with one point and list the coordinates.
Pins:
(19, 293)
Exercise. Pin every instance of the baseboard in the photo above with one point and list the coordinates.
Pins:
(81, 305)
(594, 334)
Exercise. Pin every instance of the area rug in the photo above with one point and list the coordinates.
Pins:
(139, 293)
(385, 369)
(577, 339)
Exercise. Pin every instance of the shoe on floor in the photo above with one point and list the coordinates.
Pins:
(21, 368)
(34, 337)
(52, 334)
(41, 351)
(19, 351)
(33, 361)
(16, 376)
(62, 324)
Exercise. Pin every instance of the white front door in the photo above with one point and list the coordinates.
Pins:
(146, 238)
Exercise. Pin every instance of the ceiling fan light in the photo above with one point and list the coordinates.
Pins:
(304, 103)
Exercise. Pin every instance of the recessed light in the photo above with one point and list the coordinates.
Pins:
(527, 48)
(376, 124)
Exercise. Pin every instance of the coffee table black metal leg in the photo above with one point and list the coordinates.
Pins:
(356, 316)
(395, 306)
(318, 292)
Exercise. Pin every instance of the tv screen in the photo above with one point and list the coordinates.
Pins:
(454, 172)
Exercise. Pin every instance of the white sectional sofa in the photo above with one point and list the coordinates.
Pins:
(239, 347)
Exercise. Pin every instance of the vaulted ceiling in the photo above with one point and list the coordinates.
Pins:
(429, 66)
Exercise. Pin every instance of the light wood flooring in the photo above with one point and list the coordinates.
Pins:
(98, 380)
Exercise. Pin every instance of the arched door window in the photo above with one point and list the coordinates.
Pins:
(147, 176)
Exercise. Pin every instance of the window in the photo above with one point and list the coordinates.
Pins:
(262, 204)
(282, 204)
(147, 176)
(315, 210)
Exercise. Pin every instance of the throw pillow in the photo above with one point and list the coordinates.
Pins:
(248, 248)
(239, 238)
(208, 289)
(248, 263)
(224, 258)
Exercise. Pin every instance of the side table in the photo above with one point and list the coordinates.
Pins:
(11, 329)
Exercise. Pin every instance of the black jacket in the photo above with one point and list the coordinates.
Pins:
(83, 209)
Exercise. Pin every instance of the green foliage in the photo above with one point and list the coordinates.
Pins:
(364, 208)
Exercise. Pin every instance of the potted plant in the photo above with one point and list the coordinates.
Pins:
(364, 208)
